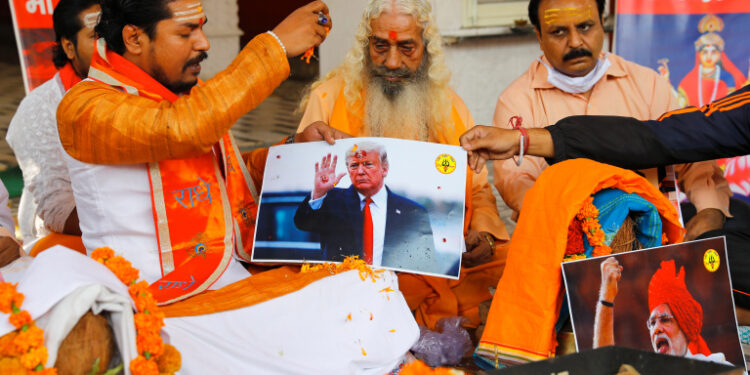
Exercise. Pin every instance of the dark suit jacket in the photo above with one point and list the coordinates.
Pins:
(408, 244)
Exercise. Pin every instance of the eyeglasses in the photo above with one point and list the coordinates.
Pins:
(664, 319)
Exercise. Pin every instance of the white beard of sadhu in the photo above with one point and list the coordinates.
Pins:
(404, 116)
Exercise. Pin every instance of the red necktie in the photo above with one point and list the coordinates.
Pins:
(367, 231)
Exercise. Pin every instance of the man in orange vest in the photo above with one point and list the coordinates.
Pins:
(395, 83)
(158, 178)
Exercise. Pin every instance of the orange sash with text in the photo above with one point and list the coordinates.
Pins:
(204, 207)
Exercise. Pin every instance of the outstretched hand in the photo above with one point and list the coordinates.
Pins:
(320, 131)
(485, 143)
(301, 31)
(611, 273)
(325, 176)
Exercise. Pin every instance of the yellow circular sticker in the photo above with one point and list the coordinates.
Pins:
(445, 164)
(711, 260)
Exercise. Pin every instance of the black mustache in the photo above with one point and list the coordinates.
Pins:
(576, 53)
(196, 60)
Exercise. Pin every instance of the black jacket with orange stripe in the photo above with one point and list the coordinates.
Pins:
(717, 130)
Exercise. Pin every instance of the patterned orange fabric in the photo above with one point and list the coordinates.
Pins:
(129, 129)
(526, 305)
(667, 286)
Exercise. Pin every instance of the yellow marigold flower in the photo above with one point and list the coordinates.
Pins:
(102, 253)
(12, 366)
(29, 339)
(21, 319)
(170, 360)
(34, 357)
(141, 366)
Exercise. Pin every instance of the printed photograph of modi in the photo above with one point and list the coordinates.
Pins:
(674, 300)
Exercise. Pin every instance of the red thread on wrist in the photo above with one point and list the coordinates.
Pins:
(516, 122)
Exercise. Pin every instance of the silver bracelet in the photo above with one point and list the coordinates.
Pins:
(278, 40)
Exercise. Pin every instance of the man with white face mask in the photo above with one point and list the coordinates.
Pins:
(574, 77)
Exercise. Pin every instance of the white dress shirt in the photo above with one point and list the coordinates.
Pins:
(378, 211)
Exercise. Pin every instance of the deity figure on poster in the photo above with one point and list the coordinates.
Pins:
(714, 75)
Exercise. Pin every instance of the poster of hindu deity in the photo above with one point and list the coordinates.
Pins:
(700, 47)
(32, 23)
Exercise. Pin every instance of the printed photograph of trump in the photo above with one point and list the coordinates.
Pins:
(674, 300)
(396, 204)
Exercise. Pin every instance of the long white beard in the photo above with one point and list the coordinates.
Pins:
(405, 116)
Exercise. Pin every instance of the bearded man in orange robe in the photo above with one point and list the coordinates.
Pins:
(394, 83)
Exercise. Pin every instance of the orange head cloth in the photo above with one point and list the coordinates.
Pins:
(668, 286)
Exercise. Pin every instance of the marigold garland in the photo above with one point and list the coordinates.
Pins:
(148, 319)
(586, 221)
(23, 350)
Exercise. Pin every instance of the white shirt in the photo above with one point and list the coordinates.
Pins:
(114, 210)
(378, 211)
(47, 198)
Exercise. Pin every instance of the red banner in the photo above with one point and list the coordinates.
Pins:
(32, 23)
(682, 6)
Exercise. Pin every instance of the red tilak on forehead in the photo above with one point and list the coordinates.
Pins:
(393, 35)
(360, 154)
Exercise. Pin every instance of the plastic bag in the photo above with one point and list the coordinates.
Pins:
(445, 347)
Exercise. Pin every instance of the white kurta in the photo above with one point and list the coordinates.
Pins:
(47, 199)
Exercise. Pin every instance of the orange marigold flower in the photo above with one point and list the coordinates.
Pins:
(34, 357)
(101, 254)
(138, 289)
(142, 366)
(147, 303)
(148, 323)
(6, 297)
(47, 371)
(601, 250)
(149, 343)
(7, 347)
(124, 271)
(21, 319)
(170, 360)
(12, 366)
(29, 339)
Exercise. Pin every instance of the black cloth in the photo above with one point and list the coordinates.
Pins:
(408, 243)
(718, 130)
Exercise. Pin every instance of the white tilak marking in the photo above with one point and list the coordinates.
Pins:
(90, 20)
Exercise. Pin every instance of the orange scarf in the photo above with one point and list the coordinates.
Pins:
(201, 205)
(68, 76)
(526, 305)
